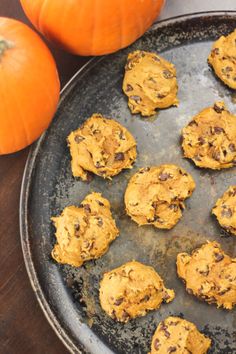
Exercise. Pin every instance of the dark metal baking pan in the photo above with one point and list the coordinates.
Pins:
(69, 296)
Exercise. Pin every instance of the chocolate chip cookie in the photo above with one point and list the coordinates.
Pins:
(155, 195)
(84, 232)
(176, 335)
(210, 138)
(225, 210)
(149, 82)
(131, 290)
(101, 146)
(209, 274)
(223, 59)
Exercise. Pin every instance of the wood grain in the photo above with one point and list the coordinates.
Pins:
(23, 327)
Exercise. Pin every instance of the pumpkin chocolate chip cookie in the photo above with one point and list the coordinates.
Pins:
(84, 232)
(209, 274)
(210, 138)
(149, 82)
(131, 290)
(223, 59)
(101, 146)
(176, 335)
(225, 210)
(155, 195)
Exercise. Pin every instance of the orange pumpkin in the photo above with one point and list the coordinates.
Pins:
(29, 86)
(92, 27)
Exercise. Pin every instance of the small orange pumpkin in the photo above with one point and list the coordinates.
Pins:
(29, 86)
(92, 27)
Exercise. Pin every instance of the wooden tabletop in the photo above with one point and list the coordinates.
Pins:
(23, 327)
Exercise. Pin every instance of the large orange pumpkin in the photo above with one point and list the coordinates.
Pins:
(92, 27)
(29, 86)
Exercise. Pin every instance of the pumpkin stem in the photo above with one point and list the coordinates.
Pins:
(4, 45)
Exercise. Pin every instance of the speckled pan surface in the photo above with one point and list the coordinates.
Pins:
(69, 296)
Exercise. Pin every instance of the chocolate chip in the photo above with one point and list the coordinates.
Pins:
(201, 140)
(156, 58)
(167, 74)
(222, 292)
(218, 257)
(226, 213)
(145, 169)
(136, 98)
(78, 139)
(129, 64)
(159, 95)
(119, 156)
(87, 208)
(204, 272)
(96, 131)
(164, 176)
(232, 147)
(129, 88)
(155, 218)
(197, 158)
(171, 349)
(167, 334)
(166, 297)
(227, 69)
(232, 193)
(215, 51)
(125, 315)
(152, 80)
(118, 301)
(173, 323)
(100, 221)
(154, 205)
(193, 124)
(121, 135)
(113, 315)
(174, 207)
(98, 164)
(218, 109)
(77, 227)
(164, 328)
(216, 155)
(85, 218)
(156, 344)
(145, 299)
(189, 291)
(91, 245)
(89, 177)
(218, 130)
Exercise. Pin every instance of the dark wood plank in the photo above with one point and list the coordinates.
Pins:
(23, 327)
